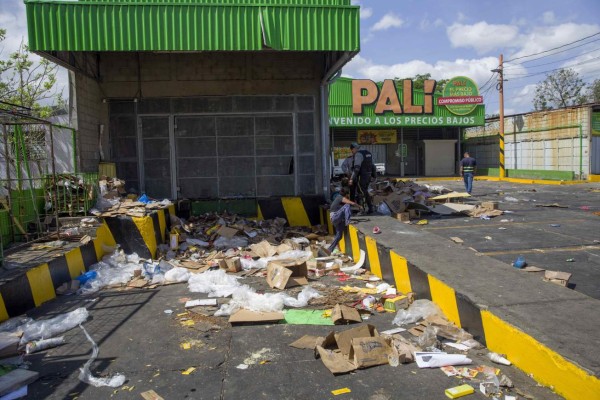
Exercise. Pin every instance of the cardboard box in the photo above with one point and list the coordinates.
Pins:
(359, 347)
(370, 351)
(282, 274)
(233, 264)
(560, 278)
(413, 214)
(227, 232)
(342, 314)
(403, 216)
(244, 315)
(395, 304)
(489, 205)
(397, 202)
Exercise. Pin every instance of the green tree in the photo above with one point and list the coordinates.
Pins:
(593, 92)
(26, 83)
(563, 88)
(419, 79)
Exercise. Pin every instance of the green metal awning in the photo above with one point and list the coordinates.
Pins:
(193, 25)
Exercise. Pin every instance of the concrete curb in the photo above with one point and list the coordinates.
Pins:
(38, 284)
(486, 322)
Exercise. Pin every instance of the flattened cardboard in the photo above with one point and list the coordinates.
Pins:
(342, 314)
(396, 202)
(227, 232)
(263, 249)
(307, 342)
(370, 351)
(252, 316)
(335, 361)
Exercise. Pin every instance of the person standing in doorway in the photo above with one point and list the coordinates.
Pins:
(362, 171)
(468, 167)
(340, 214)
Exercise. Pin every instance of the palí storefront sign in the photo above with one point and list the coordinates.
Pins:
(374, 105)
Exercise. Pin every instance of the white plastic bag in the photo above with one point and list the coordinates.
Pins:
(177, 274)
(417, 311)
(303, 297)
(216, 283)
(48, 328)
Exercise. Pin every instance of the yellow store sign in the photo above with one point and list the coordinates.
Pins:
(376, 136)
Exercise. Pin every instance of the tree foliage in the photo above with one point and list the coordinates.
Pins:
(29, 84)
(419, 82)
(593, 92)
(563, 88)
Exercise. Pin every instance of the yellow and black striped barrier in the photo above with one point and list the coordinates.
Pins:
(38, 284)
(298, 211)
(526, 352)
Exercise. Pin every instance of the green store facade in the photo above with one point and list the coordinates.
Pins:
(413, 132)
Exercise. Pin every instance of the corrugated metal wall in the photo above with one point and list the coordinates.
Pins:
(187, 26)
(595, 155)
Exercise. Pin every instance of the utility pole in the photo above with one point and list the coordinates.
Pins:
(502, 172)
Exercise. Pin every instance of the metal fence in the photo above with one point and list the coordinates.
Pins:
(36, 186)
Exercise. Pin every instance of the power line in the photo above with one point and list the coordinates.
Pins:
(488, 81)
(519, 76)
(552, 62)
(555, 48)
(555, 53)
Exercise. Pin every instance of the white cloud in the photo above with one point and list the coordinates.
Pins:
(477, 69)
(365, 12)
(426, 24)
(389, 20)
(481, 36)
(544, 38)
(548, 17)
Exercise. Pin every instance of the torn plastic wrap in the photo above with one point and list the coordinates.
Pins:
(246, 297)
(177, 274)
(417, 311)
(49, 328)
(114, 269)
(215, 283)
(86, 376)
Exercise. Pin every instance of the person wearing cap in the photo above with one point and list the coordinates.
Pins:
(362, 171)
(468, 167)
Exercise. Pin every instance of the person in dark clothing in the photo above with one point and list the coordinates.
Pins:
(362, 172)
(340, 216)
(468, 167)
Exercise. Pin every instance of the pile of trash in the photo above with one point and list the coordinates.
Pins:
(407, 200)
(113, 200)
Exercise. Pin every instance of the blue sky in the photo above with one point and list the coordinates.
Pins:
(402, 38)
(465, 37)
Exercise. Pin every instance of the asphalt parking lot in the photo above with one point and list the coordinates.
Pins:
(546, 236)
(138, 339)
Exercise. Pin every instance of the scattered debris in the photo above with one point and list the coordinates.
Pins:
(557, 277)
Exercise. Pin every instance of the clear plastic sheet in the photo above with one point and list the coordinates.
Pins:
(215, 283)
(49, 328)
(86, 376)
(417, 311)
(114, 269)
(246, 297)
